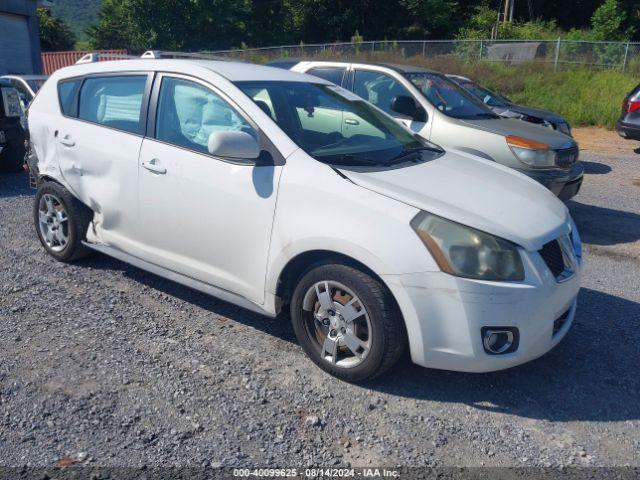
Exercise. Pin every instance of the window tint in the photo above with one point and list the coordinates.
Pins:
(487, 96)
(188, 113)
(331, 74)
(263, 100)
(114, 102)
(378, 88)
(67, 94)
(448, 97)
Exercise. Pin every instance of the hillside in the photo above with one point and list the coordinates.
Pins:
(77, 13)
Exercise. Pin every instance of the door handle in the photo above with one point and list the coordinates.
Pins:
(153, 166)
(352, 121)
(67, 142)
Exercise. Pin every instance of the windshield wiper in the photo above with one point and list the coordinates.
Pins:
(484, 115)
(348, 159)
(411, 153)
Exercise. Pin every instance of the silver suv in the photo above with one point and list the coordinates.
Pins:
(439, 110)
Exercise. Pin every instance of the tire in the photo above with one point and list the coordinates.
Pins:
(381, 325)
(12, 157)
(74, 228)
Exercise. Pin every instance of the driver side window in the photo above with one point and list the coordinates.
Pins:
(378, 88)
(188, 113)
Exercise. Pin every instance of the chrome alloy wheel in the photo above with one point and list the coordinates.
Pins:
(53, 222)
(339, 324)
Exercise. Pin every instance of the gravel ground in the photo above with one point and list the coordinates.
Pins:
(106, 365)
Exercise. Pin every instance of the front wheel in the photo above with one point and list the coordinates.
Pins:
(347, 322)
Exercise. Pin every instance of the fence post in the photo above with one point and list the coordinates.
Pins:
(624, 62)
(480, 53)
(373, 46)
(424, 48)
(555, 62)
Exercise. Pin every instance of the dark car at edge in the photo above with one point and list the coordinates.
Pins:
(12, 135)
(628, 125)
(507, 109)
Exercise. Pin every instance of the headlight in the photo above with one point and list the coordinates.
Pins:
(535, 154)
(466, 252)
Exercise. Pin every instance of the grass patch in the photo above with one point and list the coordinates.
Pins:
(586, 97)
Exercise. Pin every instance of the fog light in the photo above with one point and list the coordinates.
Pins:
(500, 340)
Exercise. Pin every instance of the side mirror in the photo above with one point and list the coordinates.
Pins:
(233, 144)
(408, 106)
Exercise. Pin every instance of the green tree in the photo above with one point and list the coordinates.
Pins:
(139, 25)
(332, 20)
(55, 35)
(419, 19)
(480, 24)
(269, 22)
(608, 22)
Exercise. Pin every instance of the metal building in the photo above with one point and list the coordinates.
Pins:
(19, 37)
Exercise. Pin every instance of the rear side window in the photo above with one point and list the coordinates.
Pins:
(113, 101)
(331, 74)
(67, 92)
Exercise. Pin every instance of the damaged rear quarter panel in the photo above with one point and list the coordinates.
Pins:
(103, 179)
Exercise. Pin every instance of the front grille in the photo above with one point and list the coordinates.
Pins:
(560, 321)
(551, 253)
(567, 157)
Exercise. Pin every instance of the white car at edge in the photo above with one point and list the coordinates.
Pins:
(273, 189)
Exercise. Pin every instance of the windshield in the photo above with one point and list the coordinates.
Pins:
(448, 97)
(35, 84)
(484, 94)
(335, 126)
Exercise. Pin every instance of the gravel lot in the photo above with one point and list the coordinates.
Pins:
(111, 366)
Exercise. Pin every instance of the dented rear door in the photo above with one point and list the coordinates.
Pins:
(98, 151)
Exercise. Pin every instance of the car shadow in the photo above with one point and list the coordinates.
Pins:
(595, 168)
(604, 226)
(592, 375)
(278, 327)
(15, 185)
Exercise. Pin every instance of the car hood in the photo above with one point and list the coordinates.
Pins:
(510, 126)
(531, 112)
(477, 193)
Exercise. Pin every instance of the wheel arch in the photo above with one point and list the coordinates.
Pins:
(283, 283)
(303, 261)
(47, 178)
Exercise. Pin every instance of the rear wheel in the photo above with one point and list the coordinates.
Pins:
(61, 222)
(347, 322)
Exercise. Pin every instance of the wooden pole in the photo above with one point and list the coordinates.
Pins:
(507, 10)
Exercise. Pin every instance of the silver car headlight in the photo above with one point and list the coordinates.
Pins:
(531, 152)
(466, 252)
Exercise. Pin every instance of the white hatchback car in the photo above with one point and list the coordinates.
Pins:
(267, 188)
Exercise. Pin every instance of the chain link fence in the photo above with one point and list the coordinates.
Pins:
(559, 53)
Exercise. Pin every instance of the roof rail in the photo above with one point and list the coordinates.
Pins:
(97, 56)
(184, 55)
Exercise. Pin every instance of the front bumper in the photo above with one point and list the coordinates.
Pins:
(565, 184)
(445, 315)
